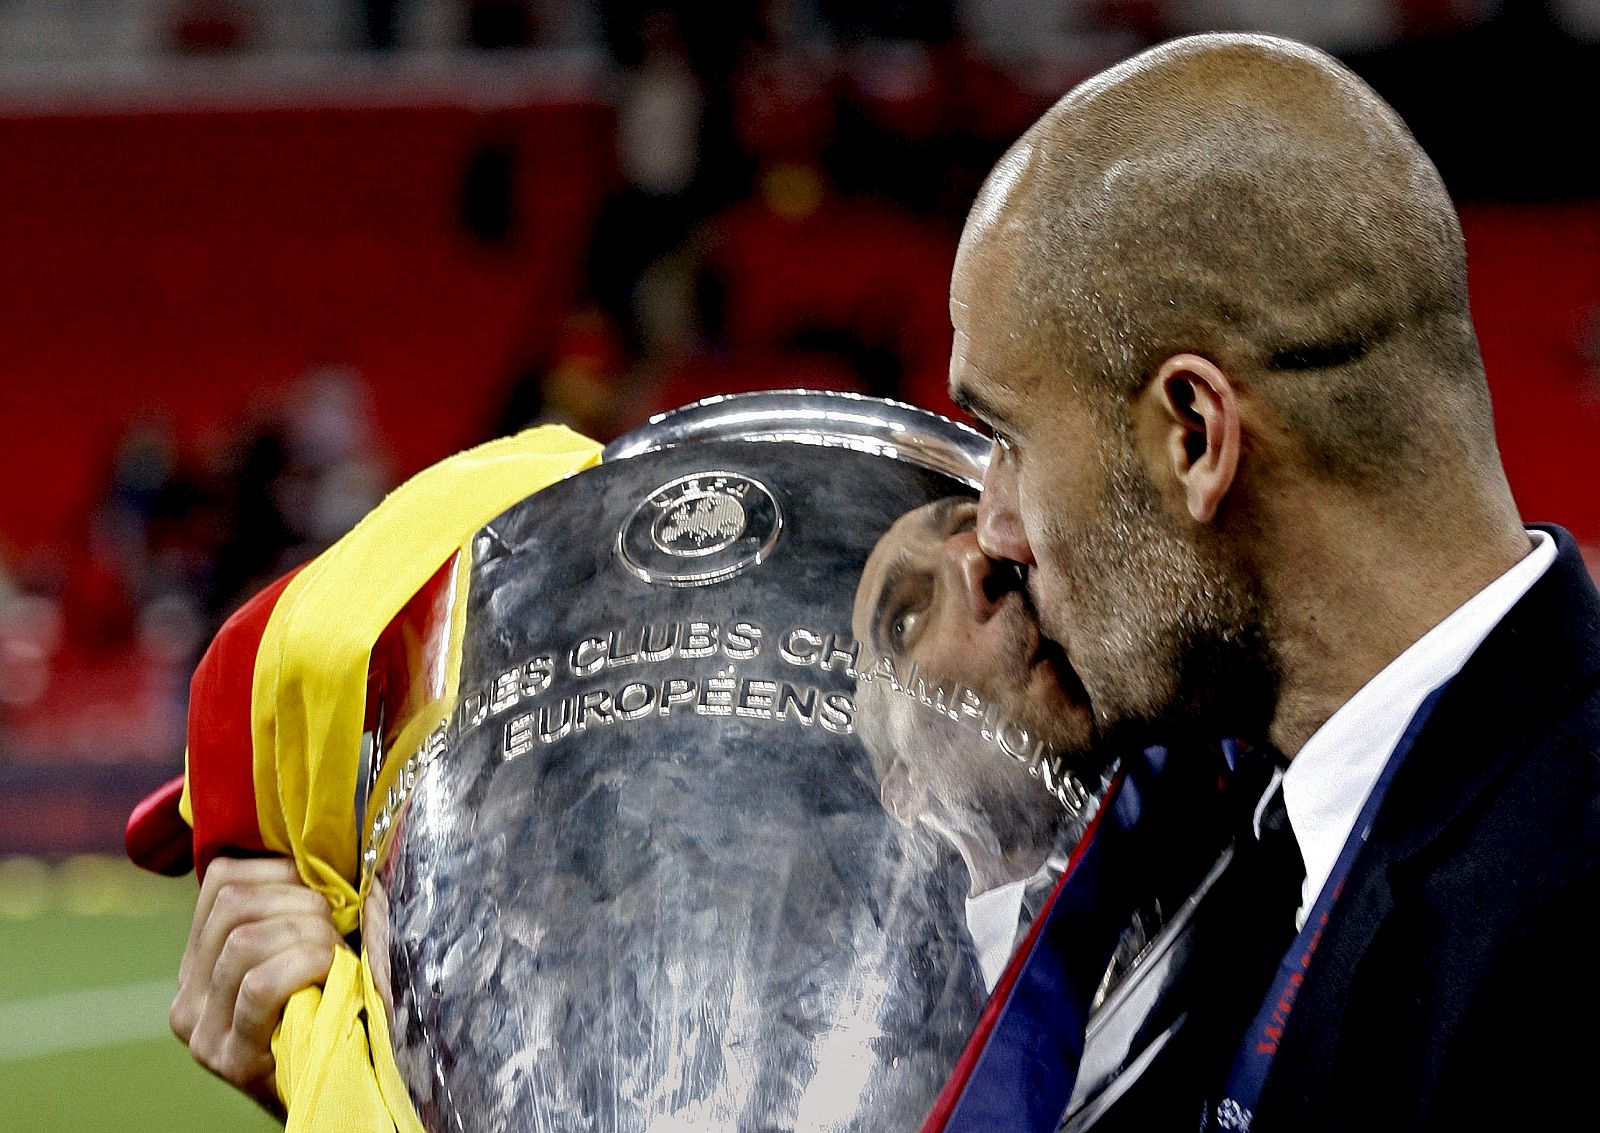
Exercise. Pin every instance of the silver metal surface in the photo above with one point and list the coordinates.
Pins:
(873, 425)
(644, 876)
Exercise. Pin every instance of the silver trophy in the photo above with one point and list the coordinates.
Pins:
(726, 825)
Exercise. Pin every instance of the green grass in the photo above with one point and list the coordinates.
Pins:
(91, 949)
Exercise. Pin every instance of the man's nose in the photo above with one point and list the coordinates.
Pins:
(973, 575)
(1000, 533)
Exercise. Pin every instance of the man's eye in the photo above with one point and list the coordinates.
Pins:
(1000, 439)
(904, 626)
(1004, 452)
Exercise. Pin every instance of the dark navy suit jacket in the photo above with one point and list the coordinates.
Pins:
(1456, 985)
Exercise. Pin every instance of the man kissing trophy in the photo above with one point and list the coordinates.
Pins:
(640, 871)
(688, 791)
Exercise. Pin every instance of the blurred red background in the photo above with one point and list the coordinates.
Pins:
(185, 265)
(242, 301)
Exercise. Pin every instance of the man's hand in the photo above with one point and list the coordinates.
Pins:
(259, 935)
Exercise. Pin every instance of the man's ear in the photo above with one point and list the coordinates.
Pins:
(901, 794)
(1194, 411)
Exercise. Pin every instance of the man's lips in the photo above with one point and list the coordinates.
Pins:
(1046, 651)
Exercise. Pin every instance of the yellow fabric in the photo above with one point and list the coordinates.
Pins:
(324, 1071)
(308, 705)
(390, 1085)
(185, 803)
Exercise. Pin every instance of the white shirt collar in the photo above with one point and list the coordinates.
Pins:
(1329, 779)
(992, 918)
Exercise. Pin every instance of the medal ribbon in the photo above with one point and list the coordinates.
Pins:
(1018, 1069)
(1242, 1089)
(1010, 1076)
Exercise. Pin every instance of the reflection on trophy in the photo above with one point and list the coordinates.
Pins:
(705, 832)
(970, 716)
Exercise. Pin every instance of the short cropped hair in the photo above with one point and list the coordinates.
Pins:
(1251, 200)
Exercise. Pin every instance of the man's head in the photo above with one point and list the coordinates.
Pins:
(953, 622)
(1214, 280)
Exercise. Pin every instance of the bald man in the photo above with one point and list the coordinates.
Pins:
(1214, 307)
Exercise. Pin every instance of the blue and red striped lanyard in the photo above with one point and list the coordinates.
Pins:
(1019, 1067)
(1242, 1088)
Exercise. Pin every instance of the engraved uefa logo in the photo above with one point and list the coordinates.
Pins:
(702, 521)
(699, 529)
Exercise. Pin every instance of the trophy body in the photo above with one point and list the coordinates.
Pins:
(638, 877)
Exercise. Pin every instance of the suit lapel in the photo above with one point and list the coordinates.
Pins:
(1532, 666)
(1537, 661)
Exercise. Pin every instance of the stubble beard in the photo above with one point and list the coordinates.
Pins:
(1165, 633)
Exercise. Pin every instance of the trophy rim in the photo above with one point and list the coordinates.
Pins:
(828, 418)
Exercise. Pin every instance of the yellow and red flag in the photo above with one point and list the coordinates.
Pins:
(278, 708)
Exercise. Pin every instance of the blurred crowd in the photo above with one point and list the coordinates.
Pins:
(839, 145)
(790, 179)
(782, 217)
(96, 645)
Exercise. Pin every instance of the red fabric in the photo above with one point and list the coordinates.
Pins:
(945, 1104)
(412, 645)
(221, 749)
(221, 754)
(157, 838)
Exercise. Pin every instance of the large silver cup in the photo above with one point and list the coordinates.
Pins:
(642, 877)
